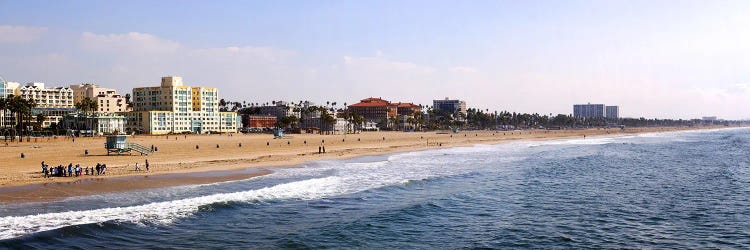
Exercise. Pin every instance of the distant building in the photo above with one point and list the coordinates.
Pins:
(175, 108)
(383, 112)
(107, 100)
(57, 97)
(11, 88)
(259, 121)
(3, 87)
(280, 109)
(453, 107)
(97, 124)
(407, 108)
(710, 118)
(374, 110)
(589, 111)
(612, 112)
(53, 103)
(6, 89)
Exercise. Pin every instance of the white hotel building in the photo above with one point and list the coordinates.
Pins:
(175, 108)
(53, 103)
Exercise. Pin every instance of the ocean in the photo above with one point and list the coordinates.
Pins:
(659, 190)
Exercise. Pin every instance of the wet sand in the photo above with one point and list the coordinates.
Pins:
(94, 185)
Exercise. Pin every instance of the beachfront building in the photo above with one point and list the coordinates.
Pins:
(589, 111)
(52, 103)
(375, 110)
(612, 112)
(107, 100)
(175, 108)
(95, 124)
(7, 89)
(280, 109)
(259, 121)
(383, 112)
(456, 108)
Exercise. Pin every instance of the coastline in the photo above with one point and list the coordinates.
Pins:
(257, 155)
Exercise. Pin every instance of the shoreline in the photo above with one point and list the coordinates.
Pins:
(232, 167)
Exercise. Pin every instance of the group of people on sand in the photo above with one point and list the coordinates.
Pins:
(71, 170)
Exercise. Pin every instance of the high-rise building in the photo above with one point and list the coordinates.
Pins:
(453, 107)
(612, 112)
(588, 111)
(107, 100)
(175, 108)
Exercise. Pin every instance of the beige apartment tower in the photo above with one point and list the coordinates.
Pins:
(175, 108)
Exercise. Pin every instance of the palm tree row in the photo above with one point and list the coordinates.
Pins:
(88, 106)
(18, 108)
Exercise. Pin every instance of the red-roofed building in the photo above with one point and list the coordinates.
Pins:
(407, 108)
(259, 121)
(381, 111)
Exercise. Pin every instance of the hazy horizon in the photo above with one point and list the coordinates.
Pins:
(665, 59)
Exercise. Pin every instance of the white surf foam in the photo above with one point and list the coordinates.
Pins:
(165, 212)
(323, 180)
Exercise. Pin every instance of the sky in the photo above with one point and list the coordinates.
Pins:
(655, 59)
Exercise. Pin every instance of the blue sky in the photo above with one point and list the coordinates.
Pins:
(674, 59)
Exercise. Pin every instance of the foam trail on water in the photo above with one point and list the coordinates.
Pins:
(328, 179)
(165, 212)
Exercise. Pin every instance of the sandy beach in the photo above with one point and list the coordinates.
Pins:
(179, 162)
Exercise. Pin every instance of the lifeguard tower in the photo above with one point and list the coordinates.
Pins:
(278, 133)
(118, 144)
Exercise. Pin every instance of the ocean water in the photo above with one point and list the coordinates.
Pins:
(662, 190)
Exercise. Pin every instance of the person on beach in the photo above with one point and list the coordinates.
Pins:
(45, 171)
(43, 167)
(70, 169)
(146, 164)
(137, 168)
(98, 168)
(104, 168)
(87, 170)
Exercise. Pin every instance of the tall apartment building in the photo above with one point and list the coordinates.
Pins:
(612, 112)
(107, 100)
(453, 107)
(175, 108)
(53, 103)
(588, 110)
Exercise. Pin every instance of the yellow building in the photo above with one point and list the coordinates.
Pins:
(175, 108)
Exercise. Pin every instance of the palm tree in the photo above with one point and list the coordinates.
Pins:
(3, 107)
(394, 121)
(22, 108)
(40, 118)
(328, 120)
